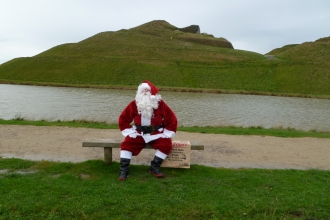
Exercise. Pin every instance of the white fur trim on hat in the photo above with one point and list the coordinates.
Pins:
(144, 86)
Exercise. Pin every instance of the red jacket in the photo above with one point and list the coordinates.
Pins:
(163, 115)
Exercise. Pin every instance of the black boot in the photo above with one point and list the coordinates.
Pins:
(154, 168)
(124, 168)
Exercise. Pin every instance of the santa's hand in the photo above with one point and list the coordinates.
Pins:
(129, 131)
(168, 133)
(133, 135)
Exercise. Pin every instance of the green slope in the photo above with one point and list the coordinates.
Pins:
(171, 58)
(313, 52)
(281, 50)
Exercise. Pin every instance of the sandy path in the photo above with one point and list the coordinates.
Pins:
(231, 151)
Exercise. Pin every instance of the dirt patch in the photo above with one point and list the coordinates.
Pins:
(229, 151)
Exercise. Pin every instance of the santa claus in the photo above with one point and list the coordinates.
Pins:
(153, 122)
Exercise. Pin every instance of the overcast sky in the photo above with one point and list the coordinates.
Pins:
(29, 27)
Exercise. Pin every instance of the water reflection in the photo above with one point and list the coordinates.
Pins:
(57, 103)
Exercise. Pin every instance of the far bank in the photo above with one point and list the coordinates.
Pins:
(172, 89)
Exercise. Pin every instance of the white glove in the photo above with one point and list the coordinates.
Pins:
(168, 133)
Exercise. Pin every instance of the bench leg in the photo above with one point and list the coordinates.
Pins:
(108, 155)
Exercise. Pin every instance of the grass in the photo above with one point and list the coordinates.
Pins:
(74, 123)
(276, 132)
(90, 190)
(172, 60)
(231, 130)
(282, 49)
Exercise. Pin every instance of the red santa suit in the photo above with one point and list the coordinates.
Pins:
(163, 119)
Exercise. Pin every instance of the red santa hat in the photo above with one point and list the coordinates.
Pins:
(148, 85)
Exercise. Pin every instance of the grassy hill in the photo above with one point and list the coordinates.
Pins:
(174, 58)
(277, 51)
(312, 52)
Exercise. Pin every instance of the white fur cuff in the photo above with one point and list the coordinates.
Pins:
(126, 154)
(160, 154)
(128, 131)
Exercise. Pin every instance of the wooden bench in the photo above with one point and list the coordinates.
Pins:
(108, 144)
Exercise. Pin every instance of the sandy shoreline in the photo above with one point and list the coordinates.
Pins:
(229, 151)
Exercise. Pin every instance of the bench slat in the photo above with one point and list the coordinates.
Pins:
(116, 144)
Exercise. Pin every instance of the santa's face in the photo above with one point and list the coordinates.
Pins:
(145, 90)
(146, 103)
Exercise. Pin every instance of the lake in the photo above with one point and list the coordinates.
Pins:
(201, 109)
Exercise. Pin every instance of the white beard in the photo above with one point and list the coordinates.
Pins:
(146, 103)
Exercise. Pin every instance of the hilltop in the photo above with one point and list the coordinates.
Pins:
(174, 58)
(318, 50)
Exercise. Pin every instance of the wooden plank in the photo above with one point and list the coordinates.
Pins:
(101, 143)
(113, 143)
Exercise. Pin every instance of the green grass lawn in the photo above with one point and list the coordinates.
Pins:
(90, 190)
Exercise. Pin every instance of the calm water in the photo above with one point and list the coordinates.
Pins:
(57, 103)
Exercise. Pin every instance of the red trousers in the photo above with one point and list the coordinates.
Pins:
(135, 145)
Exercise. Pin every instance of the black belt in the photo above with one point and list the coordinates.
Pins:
(148, 129)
